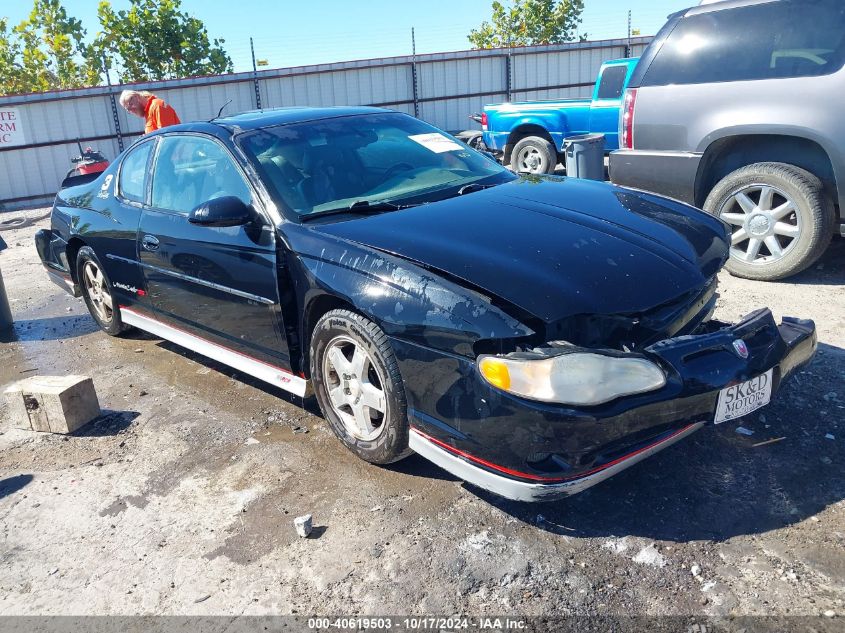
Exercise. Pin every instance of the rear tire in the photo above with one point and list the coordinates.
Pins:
(781, 219)
(534, 155)
(96, 290)
(353, 367)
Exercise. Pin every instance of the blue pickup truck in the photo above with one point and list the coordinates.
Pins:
(530, 134)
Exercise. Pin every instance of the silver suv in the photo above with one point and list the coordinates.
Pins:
(736, 107)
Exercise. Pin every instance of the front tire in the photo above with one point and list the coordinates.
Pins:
(358, 386)
(534, 155)
(96, 290)
(781, 219)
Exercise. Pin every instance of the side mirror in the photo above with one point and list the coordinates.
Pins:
(223, 211)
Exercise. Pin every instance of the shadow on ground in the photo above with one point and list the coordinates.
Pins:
(417, 466)
(107, 424)
(11, 485)
(717, 484)
(828, 271)
(307, 404)
(50, 329)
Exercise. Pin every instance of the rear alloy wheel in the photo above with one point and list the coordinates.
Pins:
(358, 386)
(780, 218)
(534, 155)
(96, 290)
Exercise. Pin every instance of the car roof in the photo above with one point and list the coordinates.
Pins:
(226, 127)
(257, 119)
(707, 6)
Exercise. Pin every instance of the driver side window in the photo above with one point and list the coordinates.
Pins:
(191, 170)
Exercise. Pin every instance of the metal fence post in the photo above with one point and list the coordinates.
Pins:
(414, 73)
(113, 107)
(255, 76)
(508, 75)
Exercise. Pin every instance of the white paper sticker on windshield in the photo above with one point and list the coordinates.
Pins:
(436, 142)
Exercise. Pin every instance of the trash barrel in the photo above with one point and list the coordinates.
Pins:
(585, 156)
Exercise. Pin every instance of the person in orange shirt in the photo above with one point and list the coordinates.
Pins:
(155, 112)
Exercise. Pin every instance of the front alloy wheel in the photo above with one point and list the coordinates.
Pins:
(358, 386)
(355, 388)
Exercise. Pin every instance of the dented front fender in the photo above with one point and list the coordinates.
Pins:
(407, 301)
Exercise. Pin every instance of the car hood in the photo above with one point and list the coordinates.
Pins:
(555, 247)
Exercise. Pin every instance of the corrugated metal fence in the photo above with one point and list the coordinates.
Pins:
(441, 88)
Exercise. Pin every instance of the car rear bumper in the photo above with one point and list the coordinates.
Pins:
(49, 246)
(532, 451)
(670, 174)
(495, 141)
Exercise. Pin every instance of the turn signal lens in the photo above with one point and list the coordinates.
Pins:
(495, 372)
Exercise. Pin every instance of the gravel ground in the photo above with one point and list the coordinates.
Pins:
(181, 498)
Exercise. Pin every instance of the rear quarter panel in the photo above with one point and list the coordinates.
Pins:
(558, 118)
(92, 215)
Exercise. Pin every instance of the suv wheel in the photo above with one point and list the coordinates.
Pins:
(358, 386)
(781, 220)
(534, 155)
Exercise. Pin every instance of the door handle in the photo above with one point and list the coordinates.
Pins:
(149, 243)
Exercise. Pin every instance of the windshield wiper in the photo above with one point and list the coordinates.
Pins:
(359, 206)
(473, 186)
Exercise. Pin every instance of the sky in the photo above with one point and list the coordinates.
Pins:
(290, 33)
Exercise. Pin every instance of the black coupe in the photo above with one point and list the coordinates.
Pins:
(532, 335)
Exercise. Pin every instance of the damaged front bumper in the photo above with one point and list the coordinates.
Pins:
(532, 451)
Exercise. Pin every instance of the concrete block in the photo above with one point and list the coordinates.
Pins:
(52, 404)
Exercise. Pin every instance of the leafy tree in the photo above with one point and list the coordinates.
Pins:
(529, 22)
(43, 52)
(155, 39)
(61, 42)
(11, 71)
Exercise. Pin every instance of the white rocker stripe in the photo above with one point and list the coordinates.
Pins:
(257, 369)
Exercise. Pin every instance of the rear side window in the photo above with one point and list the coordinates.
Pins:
(786, 38)
(133, 173)
(612, 82)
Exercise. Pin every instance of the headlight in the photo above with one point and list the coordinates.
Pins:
(577, 378)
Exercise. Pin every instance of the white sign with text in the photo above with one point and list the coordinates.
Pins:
(11, 128)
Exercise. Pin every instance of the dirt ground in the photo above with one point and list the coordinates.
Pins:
(181, 498)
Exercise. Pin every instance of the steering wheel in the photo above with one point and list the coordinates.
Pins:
(395, 169)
